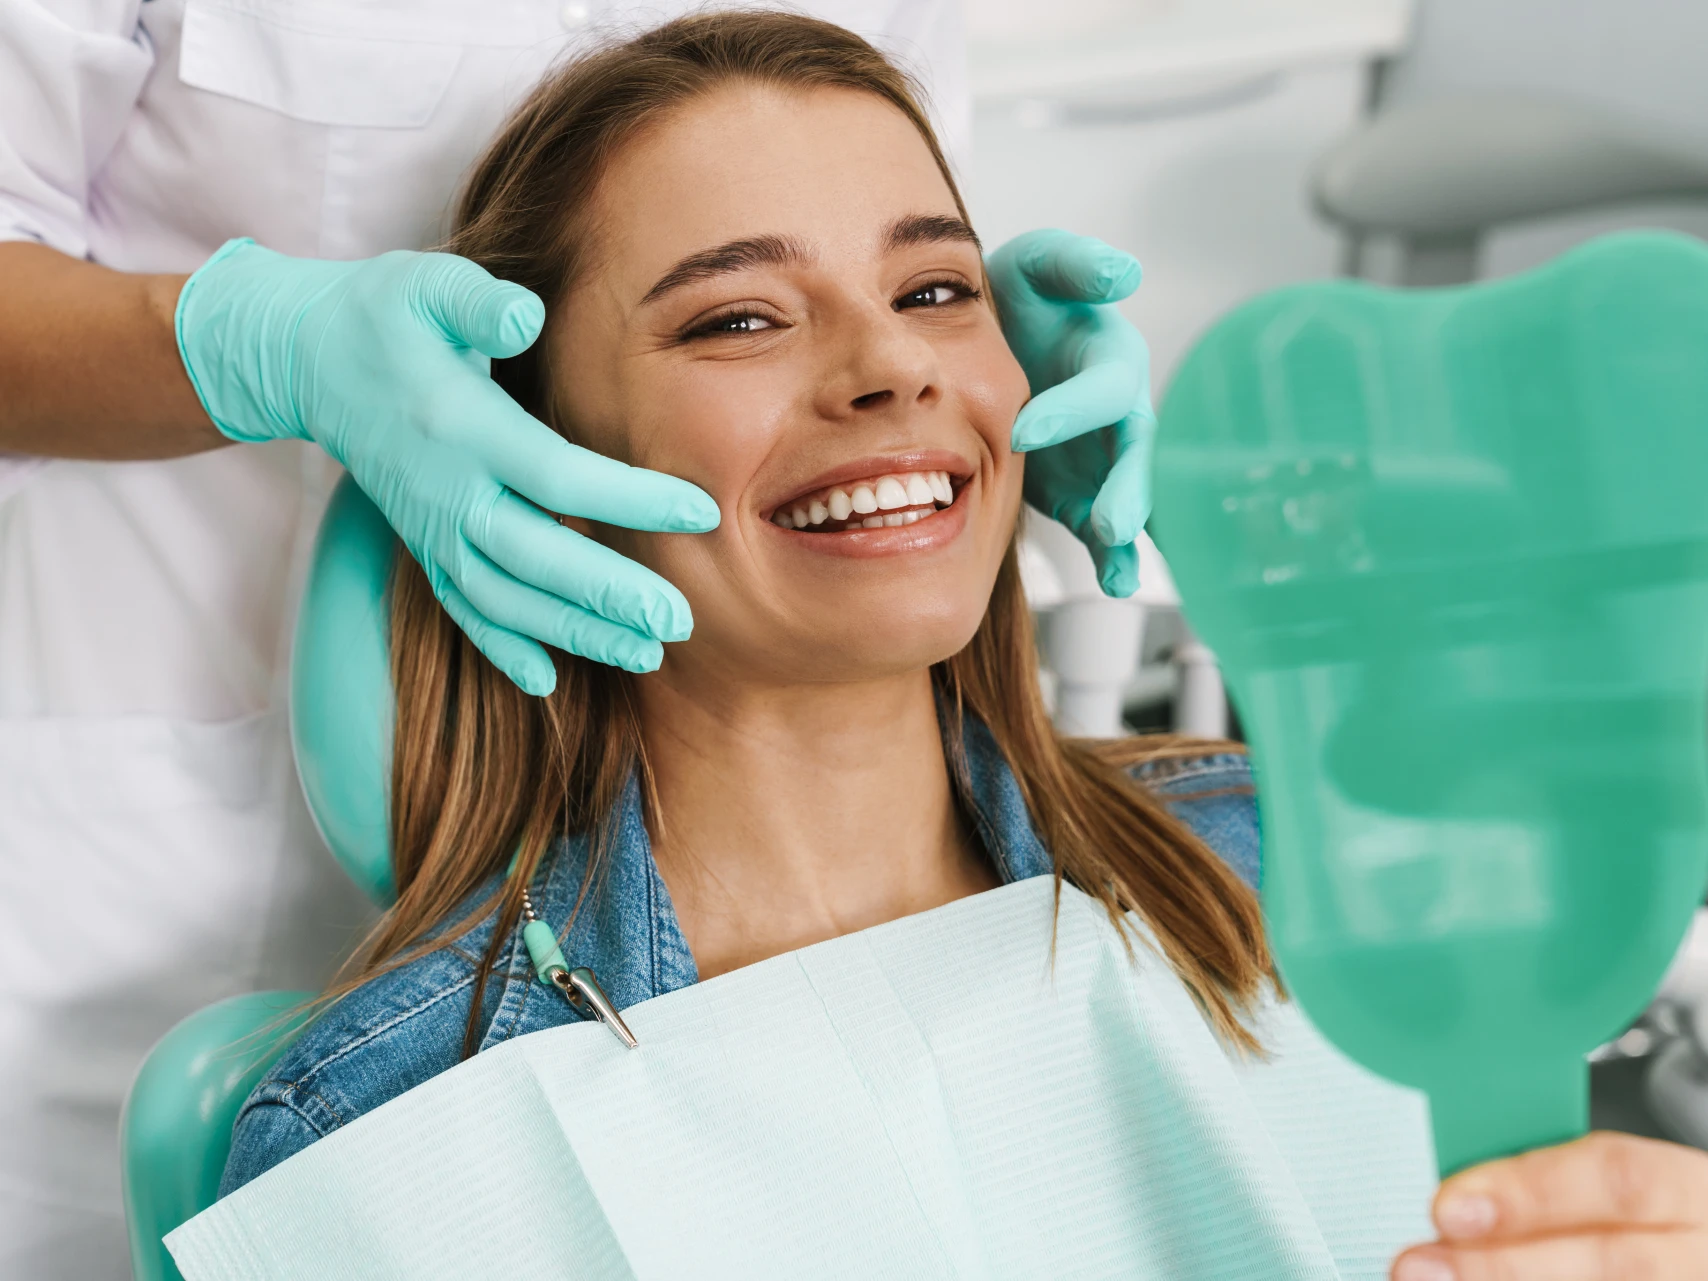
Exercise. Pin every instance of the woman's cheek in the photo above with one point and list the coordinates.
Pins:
(996, 390)
(1008, 393)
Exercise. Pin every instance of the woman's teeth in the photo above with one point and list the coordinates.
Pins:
(887, 501)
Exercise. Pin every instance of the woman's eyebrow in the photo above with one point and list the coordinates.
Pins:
(733, 255)
(781, 251)
(927, 229)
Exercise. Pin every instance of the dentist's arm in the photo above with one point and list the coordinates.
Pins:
(384, 364)
(89, 367)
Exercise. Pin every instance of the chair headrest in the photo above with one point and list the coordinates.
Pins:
(342, 705)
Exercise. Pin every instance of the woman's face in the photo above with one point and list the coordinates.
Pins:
(783, 306)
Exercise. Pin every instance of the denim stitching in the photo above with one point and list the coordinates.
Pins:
(402, 1017)
(521, 1009)
(510, 977)
(1190, 774)
(284, 1101)
(652, 921)
(1185, 767)
(293, 1088)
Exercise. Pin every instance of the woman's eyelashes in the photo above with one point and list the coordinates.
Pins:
(737, 322)
(937, 293)
(745, 320)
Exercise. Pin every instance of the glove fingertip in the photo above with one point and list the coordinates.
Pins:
(523, 318)
(644, 658)
(1119, 276)
(666, 617)
(534, 675)
(1045, 426)
(697, 513)
(530, 672)
(1103, 528)
(1117, 519)
(1118, 578)
(498, 318)
(681, 625)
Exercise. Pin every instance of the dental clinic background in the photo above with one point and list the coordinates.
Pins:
(1232, 145)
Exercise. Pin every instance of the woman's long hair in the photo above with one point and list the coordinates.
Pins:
(482, 771)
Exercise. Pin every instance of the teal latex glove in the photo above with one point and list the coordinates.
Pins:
(384, 363)
(1089, 424)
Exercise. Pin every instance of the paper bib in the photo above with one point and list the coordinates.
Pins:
(935, 1097)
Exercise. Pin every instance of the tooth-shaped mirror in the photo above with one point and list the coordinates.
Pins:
(1451, 547)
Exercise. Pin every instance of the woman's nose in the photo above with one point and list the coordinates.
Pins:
(881, 367)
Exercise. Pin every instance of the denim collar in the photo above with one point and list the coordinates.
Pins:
(627, 931)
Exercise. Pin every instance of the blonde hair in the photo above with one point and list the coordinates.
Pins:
(482, 771)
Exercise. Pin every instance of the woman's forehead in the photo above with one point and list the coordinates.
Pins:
(831, 169)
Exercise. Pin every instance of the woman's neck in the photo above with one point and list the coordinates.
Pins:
(792, 815)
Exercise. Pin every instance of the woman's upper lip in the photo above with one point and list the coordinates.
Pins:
(870, 468)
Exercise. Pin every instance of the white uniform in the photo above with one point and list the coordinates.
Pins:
(154, 852)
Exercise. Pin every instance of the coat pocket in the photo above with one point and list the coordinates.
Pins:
(311, 66)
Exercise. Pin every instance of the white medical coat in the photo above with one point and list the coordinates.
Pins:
(154, 851)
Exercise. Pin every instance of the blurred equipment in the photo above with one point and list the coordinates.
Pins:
(1182, 130)
(1678, 1071)
(1504, 111)
(1095, 649)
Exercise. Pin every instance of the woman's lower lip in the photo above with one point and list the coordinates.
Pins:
(892, 540)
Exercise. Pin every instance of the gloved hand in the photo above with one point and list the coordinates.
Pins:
(384, 364)
(1090, 420)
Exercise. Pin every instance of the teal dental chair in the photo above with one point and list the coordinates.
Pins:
(176, 1127)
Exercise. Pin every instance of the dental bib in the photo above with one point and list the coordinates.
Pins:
(946, 1095)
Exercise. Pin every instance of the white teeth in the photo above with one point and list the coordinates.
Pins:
(887, 494)
(891, 494)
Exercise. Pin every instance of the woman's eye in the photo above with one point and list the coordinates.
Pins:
(938, 295)
(735, 322)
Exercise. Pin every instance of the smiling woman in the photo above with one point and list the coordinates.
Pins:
(759, 276)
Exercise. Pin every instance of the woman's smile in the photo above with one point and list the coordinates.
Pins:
(880, 506)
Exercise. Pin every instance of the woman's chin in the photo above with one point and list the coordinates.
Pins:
(872, 644)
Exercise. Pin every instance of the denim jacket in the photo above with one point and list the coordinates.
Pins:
(406, 1026)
